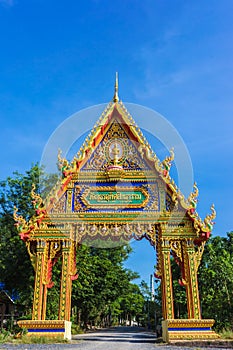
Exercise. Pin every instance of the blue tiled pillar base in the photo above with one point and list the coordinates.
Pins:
(188, 329)
(47, 328)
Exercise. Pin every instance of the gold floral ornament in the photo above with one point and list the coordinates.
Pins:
(192, 199)
(167, 162)
(198, 254)
(73, 267)
(31, 248)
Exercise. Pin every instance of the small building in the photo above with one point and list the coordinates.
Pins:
(7, 308)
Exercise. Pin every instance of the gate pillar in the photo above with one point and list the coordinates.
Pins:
(46, 251)
(66, 283)
(191, 282)
(40, 290)
(166, 282)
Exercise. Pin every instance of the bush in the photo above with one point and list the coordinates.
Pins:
(76, 329)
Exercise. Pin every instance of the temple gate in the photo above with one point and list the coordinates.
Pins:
(116, 189)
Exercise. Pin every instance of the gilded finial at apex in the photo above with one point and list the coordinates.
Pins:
(116, 97)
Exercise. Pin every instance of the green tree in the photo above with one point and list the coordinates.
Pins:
(151, 314)
(216, 281)
(102, 284)
(132, 305)
(16, 271)
(179, 292)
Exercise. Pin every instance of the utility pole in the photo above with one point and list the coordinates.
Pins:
(152, 291)
(152, 288)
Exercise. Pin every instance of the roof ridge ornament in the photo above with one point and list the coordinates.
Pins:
(116, 97)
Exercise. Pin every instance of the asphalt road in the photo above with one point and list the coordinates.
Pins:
(119, 338)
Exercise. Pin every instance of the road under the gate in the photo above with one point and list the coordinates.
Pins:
(127, 338)
(116, 338)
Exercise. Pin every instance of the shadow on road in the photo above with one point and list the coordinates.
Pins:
(119, 334)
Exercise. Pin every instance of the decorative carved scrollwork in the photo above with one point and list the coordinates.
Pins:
(66, 167)
(176, 247)
(22, 225)
(31, 248)
(167, 162)
(198, 254)
(192, 199)
(37, 202)
(209, 218)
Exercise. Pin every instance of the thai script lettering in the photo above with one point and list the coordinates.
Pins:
(115, 196)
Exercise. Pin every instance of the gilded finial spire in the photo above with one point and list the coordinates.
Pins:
(116, 97)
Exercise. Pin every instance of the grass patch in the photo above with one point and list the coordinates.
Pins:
(41, 340)
(24, 339)
(226, 334)
(5, 337)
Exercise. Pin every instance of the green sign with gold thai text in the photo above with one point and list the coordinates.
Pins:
(120, 197)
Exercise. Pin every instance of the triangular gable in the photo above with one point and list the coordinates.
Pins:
(114, 114)
(114, 126)
(93, 157)
(129, 155)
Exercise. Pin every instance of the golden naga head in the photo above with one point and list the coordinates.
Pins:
(167, 162)
(36, 198)
(24, 228)
(20, 222)
(64, 165)
(209, 219)
(192, 199)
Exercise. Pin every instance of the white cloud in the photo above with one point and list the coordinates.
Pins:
(155, 83)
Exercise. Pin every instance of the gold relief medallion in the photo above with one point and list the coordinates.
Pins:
(116, 151)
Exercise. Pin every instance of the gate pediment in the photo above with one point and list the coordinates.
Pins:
(116, 179)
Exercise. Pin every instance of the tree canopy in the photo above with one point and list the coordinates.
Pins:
(216, 281)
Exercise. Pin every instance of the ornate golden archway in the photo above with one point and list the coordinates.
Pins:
(115, 189)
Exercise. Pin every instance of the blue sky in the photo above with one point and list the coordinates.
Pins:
(58, 57)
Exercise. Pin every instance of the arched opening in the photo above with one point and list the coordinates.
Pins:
(143, 260)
